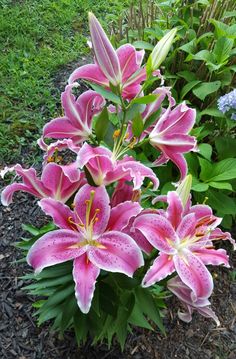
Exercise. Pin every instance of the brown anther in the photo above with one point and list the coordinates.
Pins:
(126, 136)
(116, 134)
(97, 210)
(132, 142)
(96, 219)
(50, 159)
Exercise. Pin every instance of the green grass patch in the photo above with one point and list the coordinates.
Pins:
(38, 38)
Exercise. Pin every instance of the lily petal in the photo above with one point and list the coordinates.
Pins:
(59, 212)
(121, 253)
(55, 247)
(99, 207)
(162, 267)
(213, 256)
(157, 230)
(175, 208)
(90, 72)
(194, 274)
(85, 275)
(121, 215)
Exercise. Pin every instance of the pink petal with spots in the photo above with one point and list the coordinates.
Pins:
(55, 247)
(121, 215)
(121, 253)
(157, 230)
(194, 274)
(59, 212)
(85, 275)
(186, 227)
(213, 256)
(161, 268)
(175, 208)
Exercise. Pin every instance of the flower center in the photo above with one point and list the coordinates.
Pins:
(86, 227)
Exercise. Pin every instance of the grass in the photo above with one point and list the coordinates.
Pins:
(38, 38)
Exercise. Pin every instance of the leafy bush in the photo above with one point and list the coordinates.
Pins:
(200, 68)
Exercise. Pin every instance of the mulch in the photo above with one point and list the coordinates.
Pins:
(21, 338)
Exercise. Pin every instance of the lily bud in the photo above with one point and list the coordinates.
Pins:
(161, 50)
(105, 54)
(184, 189)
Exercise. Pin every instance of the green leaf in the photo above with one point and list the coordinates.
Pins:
(187, 75)
(143, 45)
(188, 87)
(198, 186)
(31, 229)
(213, 112)
(205, 150)
(149, 306)
(206, 88)
(220, 202)
(101, 125)
(203, 55)
(134, 110)
(69, 309)
(145, 99)
(223, 49)
(124, 312)
(206, 169)
(137, 125)
(107, 94)
(137, 318)
(151, 119)
(221, 185)
(59, 296)
(189, 47)
(223, 170)
(225, 147)
(81, 327)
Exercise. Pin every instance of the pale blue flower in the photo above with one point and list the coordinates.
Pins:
(227, 103)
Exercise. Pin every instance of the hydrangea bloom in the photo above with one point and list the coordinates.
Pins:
(228, 102)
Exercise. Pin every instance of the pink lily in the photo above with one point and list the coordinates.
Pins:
(91, 236)
(120, 68)
(124, 192)
(106, 169)
(150, 109)
(170, 135)
(183, 292)
(185, 245)
(77, 122)
(52, 150)
(59, 182)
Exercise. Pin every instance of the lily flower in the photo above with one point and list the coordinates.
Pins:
(58, 182)
(185, 242)
(106, 169)
(90, 235)
(150, 109)
(170, 136)
(77, 122)
(121, 67)
(183, 293)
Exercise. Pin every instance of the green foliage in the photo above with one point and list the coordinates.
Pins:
(199, 68)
